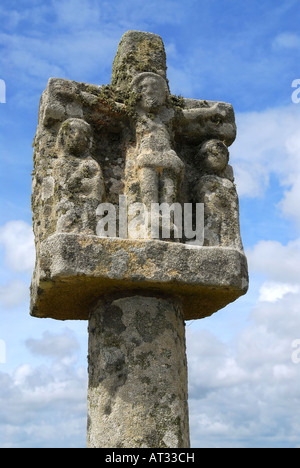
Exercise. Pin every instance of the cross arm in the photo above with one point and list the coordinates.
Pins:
(207, 119)
(65, 99)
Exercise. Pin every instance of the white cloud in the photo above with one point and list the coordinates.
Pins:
(290, 201)
(272, 292)
(41, 409)
(45, 406)
(13, 294)
(267, 143)
(281, 263)
(17, 239)
(245, 393)
(54, 346)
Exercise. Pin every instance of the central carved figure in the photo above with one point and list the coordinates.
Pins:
(161, 170)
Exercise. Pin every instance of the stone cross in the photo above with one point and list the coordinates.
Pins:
(98, 152)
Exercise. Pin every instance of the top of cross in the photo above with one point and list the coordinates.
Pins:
(138, 52)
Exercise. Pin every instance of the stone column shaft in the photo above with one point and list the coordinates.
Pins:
(137, 395)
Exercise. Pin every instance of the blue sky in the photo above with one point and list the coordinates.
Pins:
(244, 386)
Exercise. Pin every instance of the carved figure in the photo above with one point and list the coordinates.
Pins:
(217, 191)
(79, 182)
(160, 169)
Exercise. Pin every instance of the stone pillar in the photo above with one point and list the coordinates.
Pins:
(137, 395)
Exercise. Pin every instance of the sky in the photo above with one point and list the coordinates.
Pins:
(244, 361)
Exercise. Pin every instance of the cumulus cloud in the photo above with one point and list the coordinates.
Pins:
(271, 291)
(45, 406)
(267, 143)
(18, 242)
(290, 201)
(245, 393)
(55, 346)
(41, 409)
(281, 263)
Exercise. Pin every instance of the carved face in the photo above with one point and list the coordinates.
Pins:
(75, 136)
(216, 156)
(153, 91)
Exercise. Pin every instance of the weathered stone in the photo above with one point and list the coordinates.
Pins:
(74, 270)
(137, 373)
(138, 52)
(116, 148)
(79, 181)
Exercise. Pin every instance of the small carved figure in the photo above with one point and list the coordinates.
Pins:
(79, 182)
(218, 193)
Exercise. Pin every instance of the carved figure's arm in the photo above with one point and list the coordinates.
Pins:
(203, 112)
(64, 99)
(202, 120)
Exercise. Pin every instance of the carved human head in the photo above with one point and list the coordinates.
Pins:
(153, 90)
(75, 136)
(215, 156)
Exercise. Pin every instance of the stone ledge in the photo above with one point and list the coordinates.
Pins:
(75, 270)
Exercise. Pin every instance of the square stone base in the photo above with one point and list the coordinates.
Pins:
(75, 270)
